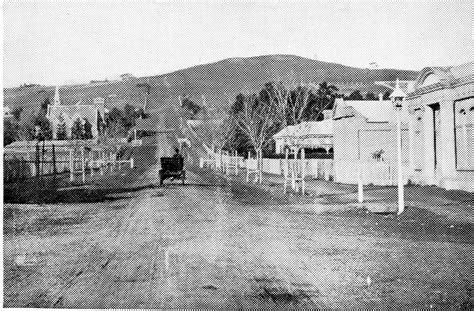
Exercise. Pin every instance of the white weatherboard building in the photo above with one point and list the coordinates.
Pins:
(441, 107)
(309, 135)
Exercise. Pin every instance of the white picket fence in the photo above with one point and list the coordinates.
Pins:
(314, 168)
(224, 162)
(372, 172)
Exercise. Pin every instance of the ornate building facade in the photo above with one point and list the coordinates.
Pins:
(441, 107)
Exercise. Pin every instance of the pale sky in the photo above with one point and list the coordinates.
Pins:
(57, 43)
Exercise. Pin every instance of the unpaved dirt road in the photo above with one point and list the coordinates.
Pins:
(214, 243)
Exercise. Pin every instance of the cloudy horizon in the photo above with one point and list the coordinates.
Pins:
(59, 43)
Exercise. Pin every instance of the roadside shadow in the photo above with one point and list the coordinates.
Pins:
(71, 194)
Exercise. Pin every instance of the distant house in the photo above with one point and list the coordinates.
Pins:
(313, 135)
(365, 138)
(441, 107)
(7, 112)
(127, 76)
(149, 128)
(68, 114)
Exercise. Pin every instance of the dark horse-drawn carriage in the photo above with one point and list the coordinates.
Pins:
(172, 167)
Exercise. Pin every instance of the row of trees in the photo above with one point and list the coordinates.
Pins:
(34, 125)
(254, 118)
(119, 122)
(357, 95)
(26, 125)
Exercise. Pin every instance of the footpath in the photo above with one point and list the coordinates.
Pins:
(454, 204)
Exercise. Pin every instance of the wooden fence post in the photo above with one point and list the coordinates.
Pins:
(91, 162)
(303, 167)
(360, 186)
(42, 161)
(71, 165)
(37, 159)
(247, 166)
(54, 165)
(83, 166)
(236, 163)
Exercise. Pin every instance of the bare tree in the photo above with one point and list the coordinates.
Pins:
(213, 131)
(277, 95)
(258, 119)
(299, 102)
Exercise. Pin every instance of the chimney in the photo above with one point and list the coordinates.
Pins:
(380, 96)
(328, 114)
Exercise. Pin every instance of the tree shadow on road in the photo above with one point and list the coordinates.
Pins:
(71, 194)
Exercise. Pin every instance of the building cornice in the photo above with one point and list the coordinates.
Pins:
(441, 86)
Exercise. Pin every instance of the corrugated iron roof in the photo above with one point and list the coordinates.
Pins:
(306, 128)
(371, 110)
(84, 111)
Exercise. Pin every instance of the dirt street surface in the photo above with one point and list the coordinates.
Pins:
(218, 243)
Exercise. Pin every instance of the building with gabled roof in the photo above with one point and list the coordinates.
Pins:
(58, 114)
(308, 134)
(7, 112)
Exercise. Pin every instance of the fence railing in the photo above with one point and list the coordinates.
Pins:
(372, 172)
(314, 168)
(41, 160)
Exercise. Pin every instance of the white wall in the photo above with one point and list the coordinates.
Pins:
(448, 173)
(314, 168)
(355, 140)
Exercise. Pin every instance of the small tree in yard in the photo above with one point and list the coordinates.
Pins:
(26, 125)
(46, 132)
(10, 132)
(61, 133)
(77, 130)
(45, 104)
(87, 129)
(100, 124)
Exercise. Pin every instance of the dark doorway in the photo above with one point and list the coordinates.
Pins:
(436, 133)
